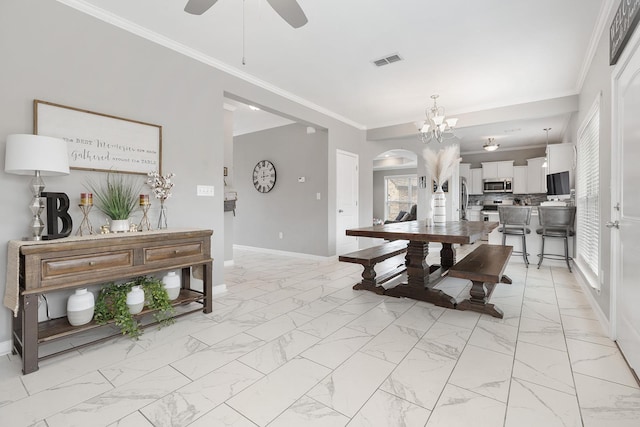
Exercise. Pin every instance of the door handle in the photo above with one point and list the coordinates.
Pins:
(614, 224)
(340, 211)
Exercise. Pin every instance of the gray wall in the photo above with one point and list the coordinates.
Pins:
(55, 53)
(378, 188)
(598, 82)
(291, 207)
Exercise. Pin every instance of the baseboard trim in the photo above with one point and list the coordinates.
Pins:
(219, 289)
(586, 287)
(5, 347)
(286, 253)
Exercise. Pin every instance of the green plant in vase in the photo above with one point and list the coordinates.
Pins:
(117, 197)
(111, 305)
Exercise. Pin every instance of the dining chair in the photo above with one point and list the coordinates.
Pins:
(515, 221)
(556, 222)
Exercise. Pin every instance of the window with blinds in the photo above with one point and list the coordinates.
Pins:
(587, 200)
(401, 194)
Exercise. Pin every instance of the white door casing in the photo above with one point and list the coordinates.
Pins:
(346, 200)
(625, 212)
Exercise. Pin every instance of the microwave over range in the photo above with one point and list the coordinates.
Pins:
(497, 185)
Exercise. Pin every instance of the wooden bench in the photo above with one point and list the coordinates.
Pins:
(369, 257)
(484, 267)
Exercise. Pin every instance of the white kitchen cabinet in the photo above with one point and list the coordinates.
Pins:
(536, 176)
(475, 183)
(561, 158)
(474, 215)
(489, 170)
(519, 179)
(503, 169)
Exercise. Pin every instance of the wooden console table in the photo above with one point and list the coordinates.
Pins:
(76, 262)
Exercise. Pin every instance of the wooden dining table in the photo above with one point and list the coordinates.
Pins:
(422, 277)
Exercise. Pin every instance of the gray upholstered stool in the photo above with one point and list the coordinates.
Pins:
(556, 221)
(515, 221)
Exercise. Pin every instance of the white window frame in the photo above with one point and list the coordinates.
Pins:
(588, 239)
(386, 192)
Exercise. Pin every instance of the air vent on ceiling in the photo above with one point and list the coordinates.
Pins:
(387, 60)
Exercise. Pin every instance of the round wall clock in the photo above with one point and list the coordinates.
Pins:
(264, 176)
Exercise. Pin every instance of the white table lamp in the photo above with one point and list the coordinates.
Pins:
(38, 156)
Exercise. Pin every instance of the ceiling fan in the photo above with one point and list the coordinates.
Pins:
(289, 10)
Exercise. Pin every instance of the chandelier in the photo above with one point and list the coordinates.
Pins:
(436, 127)
(490, 146)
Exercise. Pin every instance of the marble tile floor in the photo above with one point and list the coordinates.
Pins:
(291, 344)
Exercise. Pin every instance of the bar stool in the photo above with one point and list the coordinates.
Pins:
(556, 221)
(515, 221)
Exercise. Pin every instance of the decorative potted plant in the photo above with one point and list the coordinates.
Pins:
(117, 198)
(112, 304)
(161, 186)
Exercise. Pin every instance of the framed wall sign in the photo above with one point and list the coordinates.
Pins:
(624, 23)
(100, 142)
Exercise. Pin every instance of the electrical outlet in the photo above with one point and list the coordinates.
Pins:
(205, 190)
(280, 235)
(317, 196)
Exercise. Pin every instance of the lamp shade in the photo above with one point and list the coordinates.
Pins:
(25, 154)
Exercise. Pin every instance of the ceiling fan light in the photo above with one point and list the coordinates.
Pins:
(438, 120)
(492, 147)
(452, 122)
(425, 128)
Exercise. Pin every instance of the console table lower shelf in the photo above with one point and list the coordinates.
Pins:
(189, 301)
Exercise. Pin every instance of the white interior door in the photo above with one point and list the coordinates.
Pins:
(626, 238)
(346, 200)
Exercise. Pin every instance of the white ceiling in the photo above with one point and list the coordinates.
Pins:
(476, 54)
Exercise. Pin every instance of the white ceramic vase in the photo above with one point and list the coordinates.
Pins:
(135, 299)
(439, 206)
(80, 307)
(171, 283)
(119, 225)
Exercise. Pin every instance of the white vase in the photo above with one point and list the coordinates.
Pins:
(80, 307)
(135, 299)
(439, 206)
(119, 225)
(171, 283)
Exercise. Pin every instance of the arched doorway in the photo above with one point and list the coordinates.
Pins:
(395, 183)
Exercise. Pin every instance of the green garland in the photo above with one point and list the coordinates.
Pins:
(112, 305)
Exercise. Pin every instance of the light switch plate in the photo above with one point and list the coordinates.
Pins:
(205, 190)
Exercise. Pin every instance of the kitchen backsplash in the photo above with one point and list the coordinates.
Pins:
(528, 199)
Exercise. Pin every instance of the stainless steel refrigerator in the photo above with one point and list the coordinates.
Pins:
(464, 199)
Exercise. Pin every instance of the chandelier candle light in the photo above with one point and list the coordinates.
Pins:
(440, 166)
(161, 187)
(436, 127)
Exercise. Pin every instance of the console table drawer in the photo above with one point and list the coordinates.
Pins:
(83, 264)
(161, 253)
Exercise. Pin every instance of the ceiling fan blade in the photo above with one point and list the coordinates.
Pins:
(198, 7)
(290, 11)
